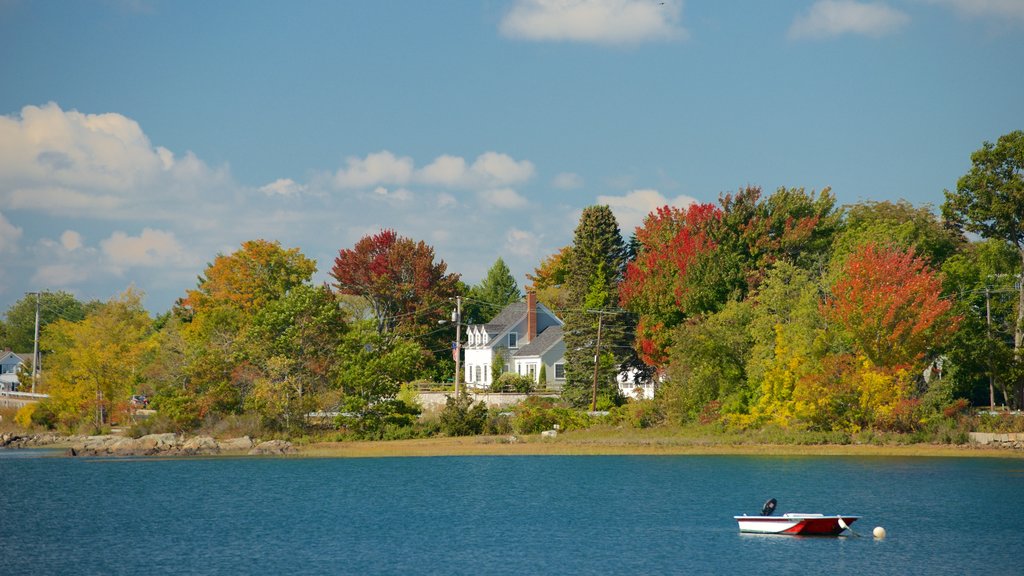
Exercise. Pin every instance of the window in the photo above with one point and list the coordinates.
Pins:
(477, 379)
(531, 371)
(560, 371)
(513, 340)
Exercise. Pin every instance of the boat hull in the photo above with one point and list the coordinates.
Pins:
(795, 524)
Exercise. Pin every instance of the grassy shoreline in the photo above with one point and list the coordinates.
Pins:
(575, 445)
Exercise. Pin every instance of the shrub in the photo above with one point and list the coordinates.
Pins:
(512, 382)
(904, 416)
(461, 417)
(23, 417)
(638, 414)
(958, 407)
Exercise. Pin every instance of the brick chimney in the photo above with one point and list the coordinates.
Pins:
(531, 316)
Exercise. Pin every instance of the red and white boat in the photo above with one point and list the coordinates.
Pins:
(794, 523)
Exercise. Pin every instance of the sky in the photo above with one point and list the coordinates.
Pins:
(139, 139)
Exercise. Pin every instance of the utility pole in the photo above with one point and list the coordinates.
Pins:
(988, 335)
(597, 357)
(457, 319)
(35, 347)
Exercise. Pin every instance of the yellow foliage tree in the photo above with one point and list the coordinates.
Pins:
(777, 404)
(97, 363)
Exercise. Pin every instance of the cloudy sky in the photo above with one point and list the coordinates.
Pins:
(140, 138)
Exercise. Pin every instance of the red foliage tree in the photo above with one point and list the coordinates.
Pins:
(399, 279)
(656, 285)
(889, 302)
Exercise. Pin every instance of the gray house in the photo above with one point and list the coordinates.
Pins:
(525, 336)
(10, 362)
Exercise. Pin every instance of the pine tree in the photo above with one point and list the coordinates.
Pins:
(596, 263)
(497, 290)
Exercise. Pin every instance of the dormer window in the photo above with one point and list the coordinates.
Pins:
(513, 340)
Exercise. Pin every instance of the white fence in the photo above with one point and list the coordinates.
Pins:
(10, 399)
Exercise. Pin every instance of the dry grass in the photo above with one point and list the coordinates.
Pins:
(581, 445)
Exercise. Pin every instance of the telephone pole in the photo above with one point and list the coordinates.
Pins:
(35, 347)
(457, 319)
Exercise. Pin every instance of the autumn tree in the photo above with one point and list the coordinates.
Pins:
(258, 273)
(899, 223)
(406, 289)
(889, 302)
(548, 280)
(661, 283)
(98, 362)
(989, 201)
(596, 263)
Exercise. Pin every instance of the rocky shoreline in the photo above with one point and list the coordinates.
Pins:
(152, 445)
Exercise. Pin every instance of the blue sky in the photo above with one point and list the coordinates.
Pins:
(138, 139)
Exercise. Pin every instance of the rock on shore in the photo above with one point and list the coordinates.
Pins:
(164, 445)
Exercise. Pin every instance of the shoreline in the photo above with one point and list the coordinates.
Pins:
(536, 446)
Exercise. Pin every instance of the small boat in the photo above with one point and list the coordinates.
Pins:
(793, 523)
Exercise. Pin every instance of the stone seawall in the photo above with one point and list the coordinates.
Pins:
(436, 400)
(1006, 440)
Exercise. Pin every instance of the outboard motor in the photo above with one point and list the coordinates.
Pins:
(768, 507)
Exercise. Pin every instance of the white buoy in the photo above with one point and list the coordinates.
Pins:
(879, 532)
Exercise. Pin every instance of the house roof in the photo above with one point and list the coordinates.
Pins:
(542, 343)
(21, 357)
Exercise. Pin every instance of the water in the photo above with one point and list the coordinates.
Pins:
(502, 515)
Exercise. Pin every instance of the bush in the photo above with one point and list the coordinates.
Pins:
(536, 415)
(461, 417)
(23, 417)
(638, 414)
(512, 382)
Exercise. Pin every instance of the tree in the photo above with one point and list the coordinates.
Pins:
(259, 272)
(97, 363)
(989, 201)
(496, 291)
(53, 306)
(399, 278)
(548, 280)
(596, 263)
(889, 303)
(660, 284)
(898, 223)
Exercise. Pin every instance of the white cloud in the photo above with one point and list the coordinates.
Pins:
(522, 243)
(503, 198)
(494, 169)
(567, 181)
(9, 234)
(446, 200)
(94, 166)
(71, 240)
(831, 18)
(444, 170)
(394, 197)
(1000, 10)
(600, 21)
(631, 209)
(283, 187)
(151, 248)
(376, 169)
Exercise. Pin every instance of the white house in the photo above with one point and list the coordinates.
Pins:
(525, 335)
(9, 364)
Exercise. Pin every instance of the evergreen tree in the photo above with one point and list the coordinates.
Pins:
(596, 263)
(497, 290)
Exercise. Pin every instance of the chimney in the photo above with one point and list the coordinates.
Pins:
(531, 316)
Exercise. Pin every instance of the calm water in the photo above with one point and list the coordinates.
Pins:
(510, 515)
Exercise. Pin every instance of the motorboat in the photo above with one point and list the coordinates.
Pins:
(794, 523)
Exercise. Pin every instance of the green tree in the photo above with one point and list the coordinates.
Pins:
(989, 201)
(899, 223)
(488, 298)
(596, 263)
(21, 317)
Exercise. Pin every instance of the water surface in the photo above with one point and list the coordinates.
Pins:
(502, 515)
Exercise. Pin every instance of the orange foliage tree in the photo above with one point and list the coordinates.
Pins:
(888, 301)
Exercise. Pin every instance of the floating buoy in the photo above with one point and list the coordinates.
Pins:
(879, 532)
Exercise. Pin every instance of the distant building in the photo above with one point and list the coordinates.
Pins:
(10, 362)
(525, 336)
